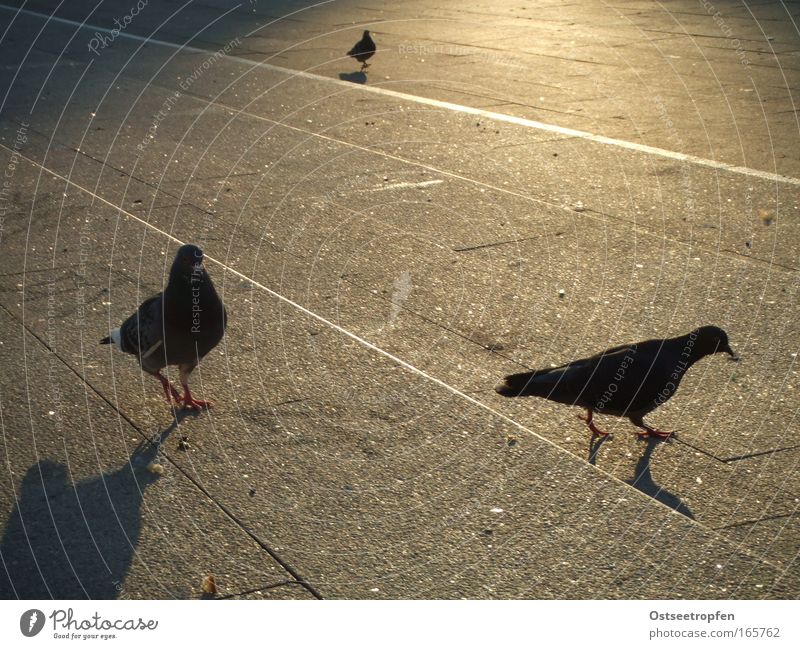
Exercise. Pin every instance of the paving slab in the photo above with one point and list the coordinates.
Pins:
(773, 536)
(684, 209)
(461, 362)
(332, 476)
(85, 514)
(444, 239)
(575, 46)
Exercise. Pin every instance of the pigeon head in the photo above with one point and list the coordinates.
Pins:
(188, 261)
(712, 340)
(366, 33)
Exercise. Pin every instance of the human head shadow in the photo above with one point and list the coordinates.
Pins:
(353, 77)
(643, 481)
(76, 541)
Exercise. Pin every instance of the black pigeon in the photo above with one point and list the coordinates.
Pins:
(363, 50)
(627, 381)
(179, 326)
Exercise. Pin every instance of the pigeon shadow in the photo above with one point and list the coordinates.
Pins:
(353, 77)
(643, 481)
(69, 540)
(595, 444)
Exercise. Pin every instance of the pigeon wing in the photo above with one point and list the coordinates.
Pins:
(631, 379)
(143, 332)
(365, 46)
(584, 381)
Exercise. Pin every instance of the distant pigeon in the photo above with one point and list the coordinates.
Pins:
(363, 50)
(176, 327)
(627, 381)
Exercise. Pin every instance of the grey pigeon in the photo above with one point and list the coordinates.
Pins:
(179, 326)
(363, 50)
(627, 381)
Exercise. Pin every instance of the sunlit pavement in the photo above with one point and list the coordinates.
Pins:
(501, 189)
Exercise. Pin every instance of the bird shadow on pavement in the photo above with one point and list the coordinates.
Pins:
(68, 540)
(595, 444)
(643, 481)
(353, 77)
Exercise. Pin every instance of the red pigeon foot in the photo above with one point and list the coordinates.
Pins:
(190, 402)
(169, 391)
(647, 431)
(590, 423)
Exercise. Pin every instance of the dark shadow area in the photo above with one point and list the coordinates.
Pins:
(595, 444)
(643, 481)
(353, 77)
(76, 541)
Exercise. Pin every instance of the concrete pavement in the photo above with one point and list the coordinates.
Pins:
(385, 261)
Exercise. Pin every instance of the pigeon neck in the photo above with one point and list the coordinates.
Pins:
(197, 282)
(691, 351)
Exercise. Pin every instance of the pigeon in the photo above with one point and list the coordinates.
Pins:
(363, 50)
(626, 381)
(179, 326)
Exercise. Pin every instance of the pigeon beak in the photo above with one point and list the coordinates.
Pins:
(727, 349)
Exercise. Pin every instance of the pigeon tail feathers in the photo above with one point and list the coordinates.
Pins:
(518, 385)
(113, 337)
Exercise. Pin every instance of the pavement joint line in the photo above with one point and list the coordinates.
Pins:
(96, 196)
(301, 308)
(270, 586)
(494, 244)
(589, 211)
(281, 248)
(747, 456)
(235, 519)
(32, 271)
(418, 314)
(713, 456)
(549, 140)
(364, 287)
(239, 175)
(691, 244)
(174, 206)
(362, 341)
(502, 50)
(757, 520)
(469, 110)
(639, 229)
(713, 36)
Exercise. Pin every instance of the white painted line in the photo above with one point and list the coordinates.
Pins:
(424, 183)
(445, 105)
